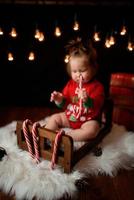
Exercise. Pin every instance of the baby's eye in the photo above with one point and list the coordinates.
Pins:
(83, 70)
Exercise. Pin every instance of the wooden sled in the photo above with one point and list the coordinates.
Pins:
(66, 156)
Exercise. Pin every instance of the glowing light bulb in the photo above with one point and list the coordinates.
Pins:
(57, 31)
(96, 36)
(37, 34)
(13, 32)
(66, 60)
(76, 26)
(107, 43)
(130, 46)
(41, 37)
(123, 31)
(112, 40)
(1, 31)
(31, 56)
(10, 56)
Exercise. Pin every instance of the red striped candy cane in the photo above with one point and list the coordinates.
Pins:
(56, 143)
(35, 136)
(27, 136)
(80, 102)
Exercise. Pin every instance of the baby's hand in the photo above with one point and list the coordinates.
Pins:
(57, 97)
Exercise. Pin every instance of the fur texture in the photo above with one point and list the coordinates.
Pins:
(19, 175)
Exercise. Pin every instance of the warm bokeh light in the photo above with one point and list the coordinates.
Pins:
(76, 26)
(66, 60)
(107, 43)
(10, 56)
(13, 32)
(96, 36)
(37, 34)
(111, 40)
(41, 37)
(123, 30)
(1, 31)
(130, 46)
(31, 56)
(57, 32)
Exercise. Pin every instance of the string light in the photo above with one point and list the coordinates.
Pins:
(76, 25)
(111, 40)
(31, 56)
(96, 37)
(57, 31)
(13, 32)
(130, 46)
(10, 56)
(41, 37)
(37, 34)
(107, 43)
(123, 30)
(66, 60)
(1, 31)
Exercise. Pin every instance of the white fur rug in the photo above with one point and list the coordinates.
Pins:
(19, 175)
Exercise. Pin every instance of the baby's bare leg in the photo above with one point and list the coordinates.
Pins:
(87, 131)
(57, 121)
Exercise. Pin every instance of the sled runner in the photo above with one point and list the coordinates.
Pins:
(66, 156)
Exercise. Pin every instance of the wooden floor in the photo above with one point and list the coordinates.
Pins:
(121, 187)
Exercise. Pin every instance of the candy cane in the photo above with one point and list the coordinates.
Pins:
(56, 143)
(36, 140)
(80, 101)
(27, 136)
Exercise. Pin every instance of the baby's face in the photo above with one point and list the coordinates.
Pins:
(80, 66)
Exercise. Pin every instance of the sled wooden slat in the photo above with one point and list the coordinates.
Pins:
(64, 157)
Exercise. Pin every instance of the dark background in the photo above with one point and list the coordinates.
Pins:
(25, 83)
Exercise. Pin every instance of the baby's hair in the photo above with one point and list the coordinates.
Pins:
(79, 47)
